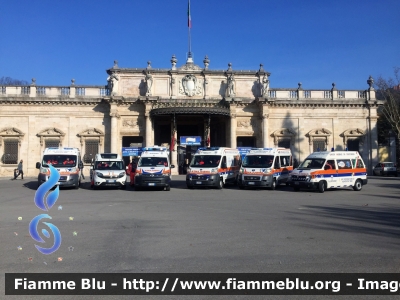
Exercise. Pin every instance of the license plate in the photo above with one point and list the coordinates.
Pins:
(198, 182)
(152, 184)
(110, 181)
(296, 183)
(251, 183)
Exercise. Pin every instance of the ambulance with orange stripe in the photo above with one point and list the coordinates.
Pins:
(213, 167)
(153, 168)
(67, 162)
(325, 170)
(265, 167)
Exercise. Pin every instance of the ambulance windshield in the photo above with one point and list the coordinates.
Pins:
(59, 161)
(312, 163)
(153, 162)
(258, 161)
(205, 161)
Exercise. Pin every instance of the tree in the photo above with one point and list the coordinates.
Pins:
(387, 89)
(12, 81)
(391, 108)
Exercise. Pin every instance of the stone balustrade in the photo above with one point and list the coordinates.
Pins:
(102, 91)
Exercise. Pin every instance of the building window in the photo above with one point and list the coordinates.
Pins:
(292, 94)
(307, 94)
(52, 143)
(353, 145)
(10, 155)
(285, 143)
(91, 149)
(2, 90)
(319, 145)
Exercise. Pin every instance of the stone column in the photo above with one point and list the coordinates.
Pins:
(114, 131)
(174, 155)
(265, 130)
(373, 141)
(233, 130)
(148, 131)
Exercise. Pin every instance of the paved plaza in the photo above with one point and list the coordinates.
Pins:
(205, 230)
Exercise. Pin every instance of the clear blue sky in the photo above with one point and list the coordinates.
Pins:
(315, 42)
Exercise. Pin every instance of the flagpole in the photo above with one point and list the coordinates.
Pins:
(189, 26)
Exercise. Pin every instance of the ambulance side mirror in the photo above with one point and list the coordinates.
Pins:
(172, 166)
(38, 165)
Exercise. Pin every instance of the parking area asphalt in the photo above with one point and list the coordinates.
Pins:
(205, 231)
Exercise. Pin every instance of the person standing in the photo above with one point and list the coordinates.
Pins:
(20, 170)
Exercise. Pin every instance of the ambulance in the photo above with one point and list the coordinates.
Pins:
(108, 170)
(153, 168)
(213, 167)
(325, 170)
(67, 161)
(265, 167)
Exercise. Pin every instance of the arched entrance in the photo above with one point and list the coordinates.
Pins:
(172, 123)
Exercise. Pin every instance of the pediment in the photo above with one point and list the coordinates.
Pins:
(51, 131)
(353, 132)
(11, 131)
(91, 132)
(319, 132)
(283, 132)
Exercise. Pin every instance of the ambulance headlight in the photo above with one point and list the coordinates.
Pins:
(241, 170)
(122, 174)
(99, 174)
(188, 170)
(43, 170)
(73, 170)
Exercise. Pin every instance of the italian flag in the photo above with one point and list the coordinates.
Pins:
(189, 17)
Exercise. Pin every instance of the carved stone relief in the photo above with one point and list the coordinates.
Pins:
(190, 86)
(132, 123)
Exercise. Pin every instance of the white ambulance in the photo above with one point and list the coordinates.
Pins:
(108, 170)
(153, 168)
(214, 166)
(265, 167)
(325, 170)
(67, 161)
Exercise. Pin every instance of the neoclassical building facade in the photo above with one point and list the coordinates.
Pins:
(150, 106)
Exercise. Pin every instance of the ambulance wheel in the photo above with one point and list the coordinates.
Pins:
(167, 188)
(220, 184)
(358, 185)
(296, 188)
(321, 186)
(273, 186)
